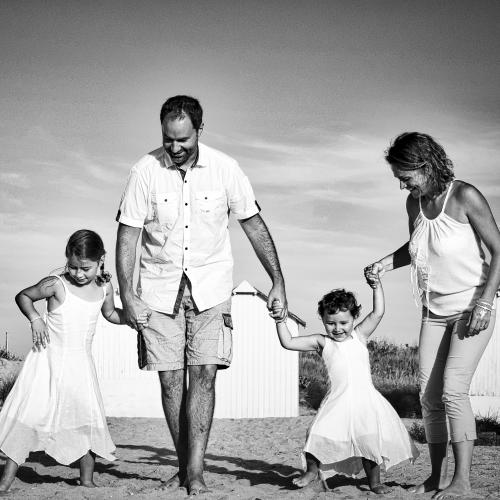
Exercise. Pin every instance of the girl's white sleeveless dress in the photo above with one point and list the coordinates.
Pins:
(355, 420)
(55, 405)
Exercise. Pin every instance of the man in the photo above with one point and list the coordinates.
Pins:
(180, 196)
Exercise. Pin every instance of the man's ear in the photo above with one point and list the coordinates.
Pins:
(200, 130)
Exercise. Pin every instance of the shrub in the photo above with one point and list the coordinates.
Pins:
(5, 387)
(8, 355)
(417, 432)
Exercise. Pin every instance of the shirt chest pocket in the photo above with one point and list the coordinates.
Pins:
(166, 208)
(210, 204)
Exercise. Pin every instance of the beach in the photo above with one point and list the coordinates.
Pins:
(246, 459)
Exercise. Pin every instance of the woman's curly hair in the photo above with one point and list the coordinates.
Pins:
(413, 150)
(339, 300)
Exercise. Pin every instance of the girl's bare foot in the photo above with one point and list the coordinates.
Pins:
(380, 488)
(305, 479)
(454, 490)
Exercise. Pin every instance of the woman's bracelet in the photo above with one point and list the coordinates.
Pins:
(34, 319)
(484, 306)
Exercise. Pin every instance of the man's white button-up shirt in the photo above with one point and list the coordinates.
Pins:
(185, 225)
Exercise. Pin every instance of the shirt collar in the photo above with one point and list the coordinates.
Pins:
(202, 160)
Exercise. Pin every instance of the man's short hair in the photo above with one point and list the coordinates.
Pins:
(180, 106)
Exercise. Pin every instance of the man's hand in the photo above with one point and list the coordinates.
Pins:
(137, 313)
(277, 294)
(479, 320)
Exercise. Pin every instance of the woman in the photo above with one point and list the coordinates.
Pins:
(448, 220)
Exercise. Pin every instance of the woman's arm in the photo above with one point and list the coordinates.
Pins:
(49, 287)
(481, 219)
(401, 256)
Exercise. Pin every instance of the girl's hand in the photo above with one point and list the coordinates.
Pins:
(143, 319)
(373, 273)
(277, 311)
(39, 334)
(479, 319)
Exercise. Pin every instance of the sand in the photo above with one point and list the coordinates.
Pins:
(246, 459)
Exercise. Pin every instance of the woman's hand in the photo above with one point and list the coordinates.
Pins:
(39, 334)
(479, 319)
(373, 273)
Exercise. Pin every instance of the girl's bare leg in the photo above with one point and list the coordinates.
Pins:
(87, 463)
(372, 471)
(8, 474)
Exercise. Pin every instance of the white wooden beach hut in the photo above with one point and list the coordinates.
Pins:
(485, 387)
(261, 382)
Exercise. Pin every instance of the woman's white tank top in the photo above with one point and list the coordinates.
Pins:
(448, 266)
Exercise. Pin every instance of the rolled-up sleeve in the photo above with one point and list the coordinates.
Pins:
(242, 201)
(134, 203)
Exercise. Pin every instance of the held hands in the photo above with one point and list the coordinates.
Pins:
(480, 317)
(373, 273)
(137, 313)
(277, 293)
(278, 312)
(39, 334)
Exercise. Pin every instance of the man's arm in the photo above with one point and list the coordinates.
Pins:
(126, 244)
(260, 238)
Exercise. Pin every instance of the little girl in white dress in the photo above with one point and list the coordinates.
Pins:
(355, 428)
(55, 405)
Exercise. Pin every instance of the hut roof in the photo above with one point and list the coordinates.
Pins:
(245, 288)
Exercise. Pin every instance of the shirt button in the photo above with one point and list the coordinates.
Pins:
(166, 199)
(186, 227)
(185, 269)
(186, 204)
(185, 182)
(185, 248)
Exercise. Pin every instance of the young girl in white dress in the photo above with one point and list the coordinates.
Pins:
(55, 405)
(355, 427)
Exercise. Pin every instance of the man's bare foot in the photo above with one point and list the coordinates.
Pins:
(380, 489)
(196, 487)
(430, 484)
(173, 483)
(454, 490)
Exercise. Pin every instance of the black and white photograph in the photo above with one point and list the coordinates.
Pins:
(250, 249)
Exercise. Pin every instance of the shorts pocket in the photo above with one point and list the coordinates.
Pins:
(225, 347)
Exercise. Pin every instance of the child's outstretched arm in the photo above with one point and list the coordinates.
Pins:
(301, 343)
(370, 323)
(47, 288)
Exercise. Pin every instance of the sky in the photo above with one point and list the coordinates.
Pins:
(305, 95)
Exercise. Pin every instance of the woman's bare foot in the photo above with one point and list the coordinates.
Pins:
(306, 478)
(430, 484)
(454, 490)
(86, 483)
(380, 488)
(196, 486)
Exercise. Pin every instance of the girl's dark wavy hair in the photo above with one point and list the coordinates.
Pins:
(339, 300)
(87, 244)
(413, 150)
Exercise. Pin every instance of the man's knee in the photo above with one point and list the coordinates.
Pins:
(431, 401)
(203, 376)
(171, 381)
